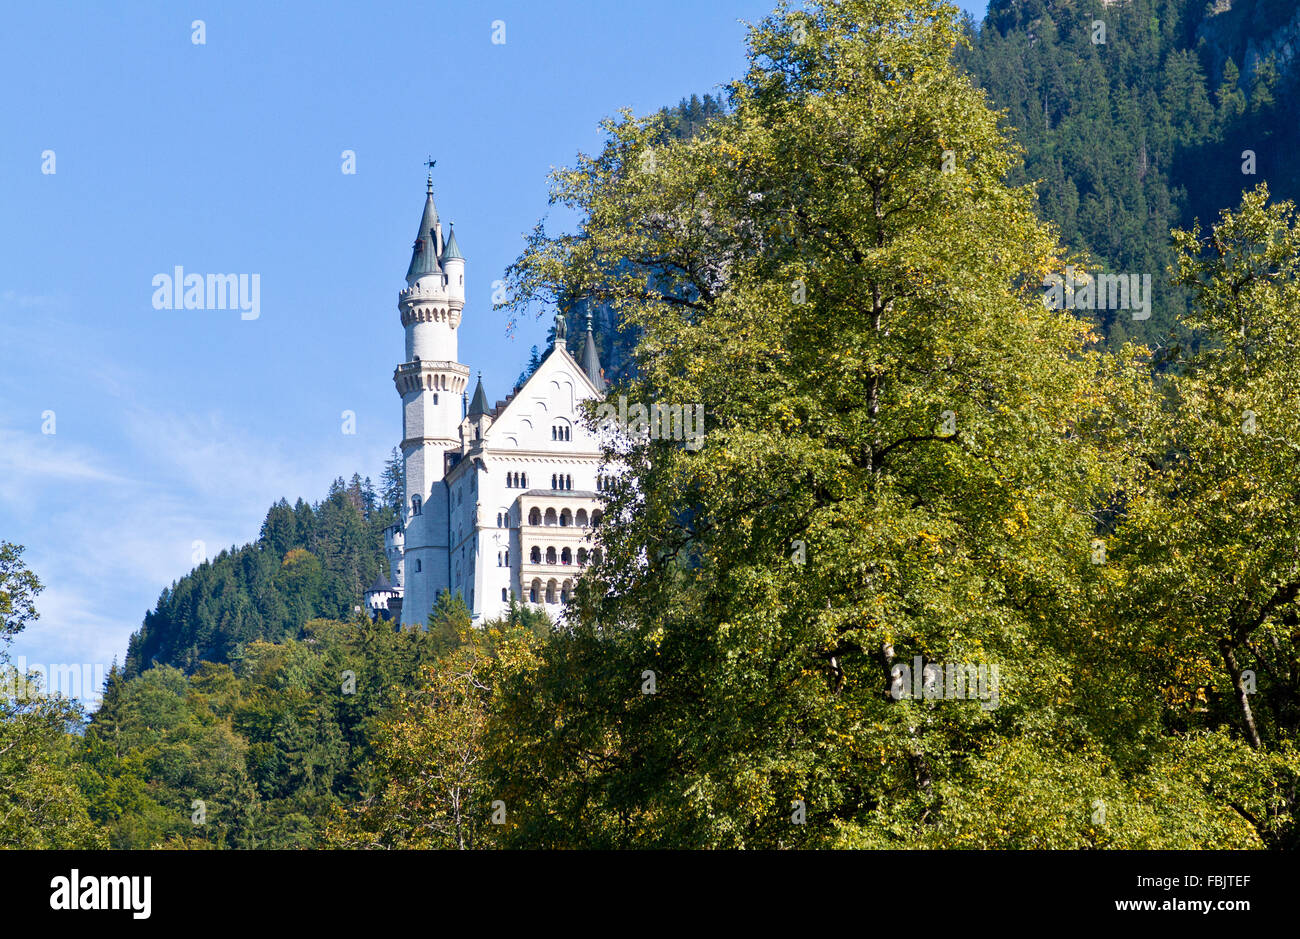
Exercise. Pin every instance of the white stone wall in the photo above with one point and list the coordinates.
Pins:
(455, 541)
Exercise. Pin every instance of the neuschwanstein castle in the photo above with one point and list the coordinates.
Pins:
(501, 501)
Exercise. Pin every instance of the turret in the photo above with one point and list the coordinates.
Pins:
(453, 265)
(431, 382)
(477, 420)
(394, 546)
(591, 359)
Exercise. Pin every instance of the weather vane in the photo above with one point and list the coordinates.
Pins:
(431, 163)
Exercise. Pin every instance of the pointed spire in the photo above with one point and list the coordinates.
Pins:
(452, 250)
(424, 254)
(479, 406)
(591, 358)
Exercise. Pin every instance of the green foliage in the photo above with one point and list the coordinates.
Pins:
(18, 590)
(829, 297)
(1144, 132)
(431, 789)
(271, 744)
(40, 803)
(1211, 539)
(308, 562)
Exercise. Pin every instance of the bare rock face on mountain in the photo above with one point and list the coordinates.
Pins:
(1250, 32)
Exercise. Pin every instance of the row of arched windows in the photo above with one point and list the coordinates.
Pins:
(517, 481)
(565, 518)
(536, 592)
(564, 556)
(503, 558)
(561, 432)
(561, 481)
(604, 483)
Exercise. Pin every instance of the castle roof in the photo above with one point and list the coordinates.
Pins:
(451, 250)
(424, 253)
(479, 405)
(381, 585)
(591, 359)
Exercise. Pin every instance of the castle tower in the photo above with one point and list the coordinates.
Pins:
(430, 382)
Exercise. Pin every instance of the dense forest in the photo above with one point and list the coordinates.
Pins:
(308, 562)
(1142, 125)
(954, 568)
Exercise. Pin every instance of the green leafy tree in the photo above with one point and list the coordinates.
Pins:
(1213, 534)
(41, 805)
(903, 461)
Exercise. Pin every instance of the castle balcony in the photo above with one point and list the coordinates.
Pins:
(431, 375)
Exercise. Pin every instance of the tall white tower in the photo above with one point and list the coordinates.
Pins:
(430, 382)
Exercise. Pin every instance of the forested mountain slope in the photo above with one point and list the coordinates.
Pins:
(308, 562)
(1142, 132)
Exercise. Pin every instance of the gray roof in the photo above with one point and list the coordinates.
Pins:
(591, 359)
(424, 253)
(451, 249)
(381, 585)
(479, 405)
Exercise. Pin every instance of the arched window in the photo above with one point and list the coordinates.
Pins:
(566, 591)
(435, 397)
(534, 591)
(550, 555)
(535, 516)
(596, 516)
(550, 516)
(566, 556)
(554, 484)
(504, 598)
(417, 565)
(566, 518)
(550, 591)
(535, 556)
(507, 557)
(415, 505)
(582, 518)
(596, 556)
(582, 556)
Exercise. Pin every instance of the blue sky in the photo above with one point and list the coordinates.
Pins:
(177, 426)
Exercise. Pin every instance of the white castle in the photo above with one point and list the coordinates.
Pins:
(500, 502)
